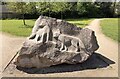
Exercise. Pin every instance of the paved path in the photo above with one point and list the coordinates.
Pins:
(9, 46)
(108, 48)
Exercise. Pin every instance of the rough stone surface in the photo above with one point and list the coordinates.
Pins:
(54, 41)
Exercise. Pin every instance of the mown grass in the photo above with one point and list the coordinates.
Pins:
(110, 28)
(16, 27)
(80, 22)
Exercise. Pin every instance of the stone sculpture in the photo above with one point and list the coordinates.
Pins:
(54, 41)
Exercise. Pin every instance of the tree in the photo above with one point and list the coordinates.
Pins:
(117, 9)
(96, 9)
(88, 9)
(52, 7)
(31, 8)
(42, 7)
(18, 7)
(60, 7)
(67, 9)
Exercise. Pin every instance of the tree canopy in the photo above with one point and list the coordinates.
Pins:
(67, 9)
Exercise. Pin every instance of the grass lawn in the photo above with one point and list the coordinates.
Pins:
(16, 27)
(80, 22)
(110, 28)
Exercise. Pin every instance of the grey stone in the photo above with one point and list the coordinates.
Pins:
(88, 37)
(54, 41)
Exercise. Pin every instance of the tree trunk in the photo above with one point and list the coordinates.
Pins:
(24, 20)
(61, 15)
(49, 12)
(49, 9)
(114, 7)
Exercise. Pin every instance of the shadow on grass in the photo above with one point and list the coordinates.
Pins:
(80, 19)
(95, 61)
(80, 24)
(26, 26)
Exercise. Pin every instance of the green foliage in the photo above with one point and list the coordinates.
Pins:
(67, 9)
(105, 8)
(22, 7)
(117, 10)
(42, 7)
(59, 6)
(110, 28)
(18, 7)
(31, 8)
(81, 10)
(53, 7)
(96, 9)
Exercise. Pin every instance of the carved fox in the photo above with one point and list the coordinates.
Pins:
(41, 31)
(76, 42)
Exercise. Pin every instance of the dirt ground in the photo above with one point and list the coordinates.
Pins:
(108, 50)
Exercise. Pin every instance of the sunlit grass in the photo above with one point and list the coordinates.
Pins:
(110, 28)
(16, 27)
(80, 22)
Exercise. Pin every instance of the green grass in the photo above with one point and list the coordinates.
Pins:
(16, 27)
(110, 28)
(80, 22)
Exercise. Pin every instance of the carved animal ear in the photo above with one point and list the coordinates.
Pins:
(41, 26)
(78, 49)
(32, 36)
(38, 39)
(78, 44)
